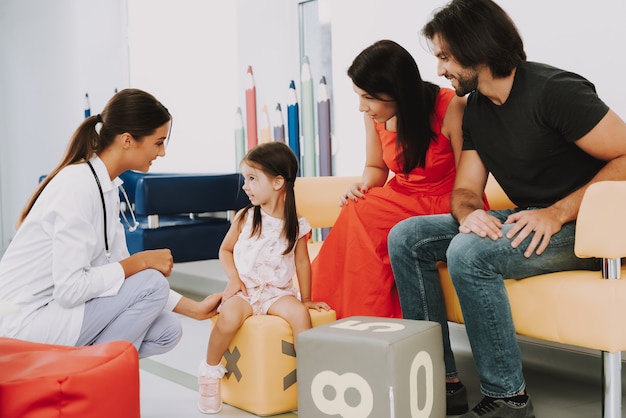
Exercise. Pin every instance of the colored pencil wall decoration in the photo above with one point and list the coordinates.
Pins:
(308, 120)
(278, 124)
(240, 139)
(251, 109)
(323, 121)
(266, 130)
(293, 123)
(87, 106)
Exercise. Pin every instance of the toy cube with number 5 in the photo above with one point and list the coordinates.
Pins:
(362, 366)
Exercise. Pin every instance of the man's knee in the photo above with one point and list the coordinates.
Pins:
(462, 248)
(406, 232)
(398, 235)
(421, 231)
(470, 251)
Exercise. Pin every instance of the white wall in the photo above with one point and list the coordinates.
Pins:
(193, 55)
(584, 37)
(184, 52)
(51, 54)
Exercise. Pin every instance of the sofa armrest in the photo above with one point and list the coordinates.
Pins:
(600, 229)
(317, 198)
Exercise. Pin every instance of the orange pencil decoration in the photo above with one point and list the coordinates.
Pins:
(266, 130)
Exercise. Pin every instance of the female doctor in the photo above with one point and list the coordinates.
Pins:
(68, 268)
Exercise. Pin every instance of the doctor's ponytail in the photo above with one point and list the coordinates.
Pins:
(130, 111)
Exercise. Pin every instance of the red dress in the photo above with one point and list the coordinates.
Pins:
(352, 272)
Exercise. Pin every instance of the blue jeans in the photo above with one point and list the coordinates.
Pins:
(477, 267)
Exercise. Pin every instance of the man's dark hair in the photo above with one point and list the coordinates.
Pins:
(477, 32)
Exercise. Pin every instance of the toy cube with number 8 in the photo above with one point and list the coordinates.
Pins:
(362, 366)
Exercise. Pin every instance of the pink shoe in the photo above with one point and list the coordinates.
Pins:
(210, 400)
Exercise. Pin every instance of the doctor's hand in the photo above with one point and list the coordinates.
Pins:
(160, 260)
(200, 310)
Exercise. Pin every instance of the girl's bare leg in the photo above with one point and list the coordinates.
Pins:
(233, 313)
(294, 312)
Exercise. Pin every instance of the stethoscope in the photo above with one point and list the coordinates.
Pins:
(131, 228)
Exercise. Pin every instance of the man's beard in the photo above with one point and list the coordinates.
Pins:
(467, 83)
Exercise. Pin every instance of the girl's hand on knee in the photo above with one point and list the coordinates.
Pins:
(232, 288)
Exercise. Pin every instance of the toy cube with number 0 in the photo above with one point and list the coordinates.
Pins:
(363, 366)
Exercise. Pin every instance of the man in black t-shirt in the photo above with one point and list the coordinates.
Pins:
(545, 136)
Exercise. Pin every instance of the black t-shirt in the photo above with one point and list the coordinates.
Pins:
(528, 143)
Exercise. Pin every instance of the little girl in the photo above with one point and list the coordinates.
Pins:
(265, 246)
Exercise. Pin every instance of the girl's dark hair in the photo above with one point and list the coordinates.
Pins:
(276, 159)
(130, 111)
(386, 68)
(477, 32)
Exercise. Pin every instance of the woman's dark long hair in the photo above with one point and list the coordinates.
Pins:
(130, 111)
(476, 32)
(386, 68)
(276, 159)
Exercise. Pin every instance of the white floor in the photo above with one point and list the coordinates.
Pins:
(563, 382)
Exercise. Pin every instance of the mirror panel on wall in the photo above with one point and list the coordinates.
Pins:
(315, 41)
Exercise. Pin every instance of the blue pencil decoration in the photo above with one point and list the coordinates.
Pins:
(87, 106)
(293, 123)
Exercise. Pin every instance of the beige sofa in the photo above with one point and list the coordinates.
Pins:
(577, 308)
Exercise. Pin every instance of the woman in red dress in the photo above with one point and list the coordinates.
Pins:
(413, 131)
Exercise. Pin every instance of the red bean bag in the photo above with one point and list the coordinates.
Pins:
(43, 380)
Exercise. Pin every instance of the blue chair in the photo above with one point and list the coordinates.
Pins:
(187, 213)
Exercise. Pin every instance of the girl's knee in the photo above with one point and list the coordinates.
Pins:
(232, 315)
(293, 311)
(302, 318)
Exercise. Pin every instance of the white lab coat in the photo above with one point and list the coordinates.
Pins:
(56, 261)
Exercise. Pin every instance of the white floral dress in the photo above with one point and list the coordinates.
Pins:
(262, 267)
